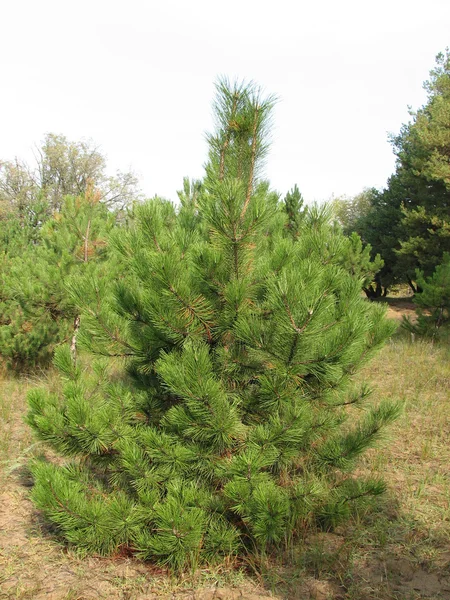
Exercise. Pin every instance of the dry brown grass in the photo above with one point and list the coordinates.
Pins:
(400, 552)
(15, 437)
(403, 551)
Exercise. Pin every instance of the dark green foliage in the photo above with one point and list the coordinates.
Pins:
(408, 222)
(378, 223)
(235, 423)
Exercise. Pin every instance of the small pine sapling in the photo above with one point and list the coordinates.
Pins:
(433, 301)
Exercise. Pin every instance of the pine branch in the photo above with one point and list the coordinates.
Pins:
(250, 182)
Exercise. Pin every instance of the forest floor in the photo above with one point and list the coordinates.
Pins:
(399, 552)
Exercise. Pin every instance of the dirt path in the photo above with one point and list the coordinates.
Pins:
(400, 307)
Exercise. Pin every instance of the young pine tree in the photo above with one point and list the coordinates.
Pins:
(293, 206)
(37, 266)
(433, 302)
(357, 260)
(234, 426)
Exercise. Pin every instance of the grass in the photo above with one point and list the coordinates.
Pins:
(410, 535)
(400, 551)
(15, 437)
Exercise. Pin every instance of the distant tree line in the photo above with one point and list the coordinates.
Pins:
(408, 222)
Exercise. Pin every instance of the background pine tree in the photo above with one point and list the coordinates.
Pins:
(38, 264)
(433, 302)
(233, 426)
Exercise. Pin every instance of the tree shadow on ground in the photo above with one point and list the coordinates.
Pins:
(382, 555)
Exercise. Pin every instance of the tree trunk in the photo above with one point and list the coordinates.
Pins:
(73, 344)
(76, 322)
(411, 284)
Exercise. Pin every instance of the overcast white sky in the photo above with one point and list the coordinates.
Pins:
(137, 77)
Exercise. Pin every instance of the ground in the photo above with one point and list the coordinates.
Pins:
(399, 552)
(400, 307)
